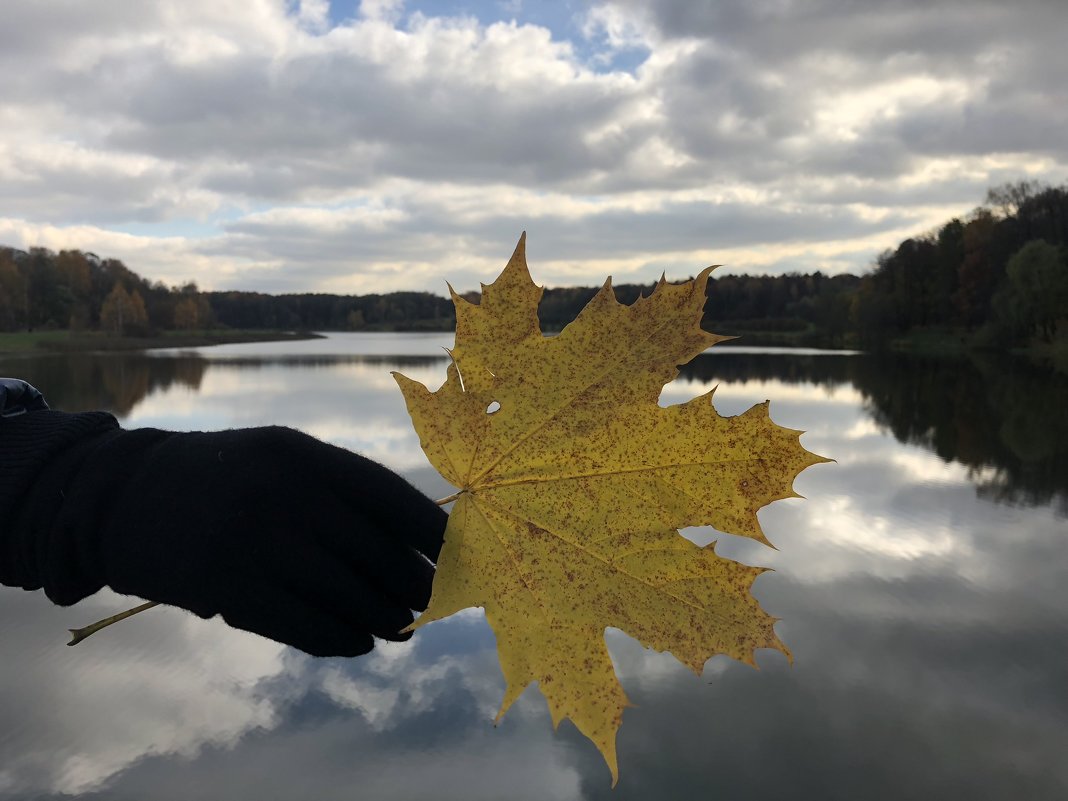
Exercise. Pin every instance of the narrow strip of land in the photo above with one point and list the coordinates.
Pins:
(87, 341)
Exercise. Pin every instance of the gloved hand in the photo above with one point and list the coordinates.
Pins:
(283, 535)
(18, 397)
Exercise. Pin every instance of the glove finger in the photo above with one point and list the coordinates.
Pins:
(326, 584)
(284, 617)
(386, 498)
(422, 526)
(396, 570)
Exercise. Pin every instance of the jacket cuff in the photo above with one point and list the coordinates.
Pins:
(39, 452)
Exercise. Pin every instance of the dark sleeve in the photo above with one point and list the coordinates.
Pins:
(39, 452)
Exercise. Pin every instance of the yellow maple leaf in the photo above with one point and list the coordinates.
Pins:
(573, 483)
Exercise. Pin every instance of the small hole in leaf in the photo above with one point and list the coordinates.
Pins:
(493, 407)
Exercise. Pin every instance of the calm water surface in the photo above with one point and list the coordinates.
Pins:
(923, 588)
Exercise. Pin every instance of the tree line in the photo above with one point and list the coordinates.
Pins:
(43, 290)
(998, 278)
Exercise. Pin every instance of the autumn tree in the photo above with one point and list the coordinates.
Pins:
(1035, 296)
(123, 313)
(13, 301)
(192, 309)
(355, 320)
(976, 275)
(185, 314)
(1009, 197)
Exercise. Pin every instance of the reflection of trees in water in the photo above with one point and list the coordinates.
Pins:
(114, 382)
(117, 382)
(986, 412)
(989, 413)
(732, 366)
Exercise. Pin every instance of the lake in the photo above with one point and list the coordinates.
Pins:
(922, 586)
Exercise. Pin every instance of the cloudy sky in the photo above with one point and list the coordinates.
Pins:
(370, 146)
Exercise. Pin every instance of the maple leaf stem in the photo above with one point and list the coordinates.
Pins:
(77, 635)
(449, 498)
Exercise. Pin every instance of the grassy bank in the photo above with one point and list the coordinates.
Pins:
(81, 341)
(807, 337)
(1054, 354)
(956, 342)
(934, 342)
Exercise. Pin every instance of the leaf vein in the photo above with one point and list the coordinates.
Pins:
(610, 564)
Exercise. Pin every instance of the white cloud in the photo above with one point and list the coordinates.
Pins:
(620, 28)
(387, 10)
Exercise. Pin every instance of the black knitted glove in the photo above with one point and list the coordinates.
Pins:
(281, 534)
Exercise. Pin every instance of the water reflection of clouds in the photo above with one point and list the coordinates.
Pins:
(336, 344)
(352, 404)
(393, 444)
(391, 725)
(735, 394)
(169, 685)
(927, 626)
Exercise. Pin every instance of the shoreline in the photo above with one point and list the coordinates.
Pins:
(954, 345)
(89, 341)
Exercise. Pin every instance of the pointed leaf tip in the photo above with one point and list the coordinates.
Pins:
(458, 300)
